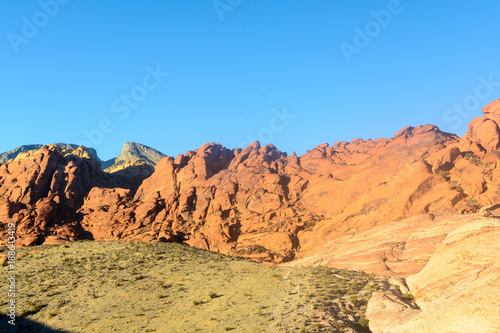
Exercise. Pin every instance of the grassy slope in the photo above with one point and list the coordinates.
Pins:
(158, 287)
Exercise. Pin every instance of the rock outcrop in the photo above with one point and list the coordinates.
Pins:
(397, 249)
(442, 269)
(483, 135)
(41, 191)
(402, 207)
(262, 204)
(456, 291)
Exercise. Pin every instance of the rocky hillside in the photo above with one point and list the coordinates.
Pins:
(256, 202)
(132, 151)
(437, 262)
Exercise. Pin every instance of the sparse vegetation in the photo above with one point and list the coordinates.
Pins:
(363, 322)
(133, 282)
(474, 159)
(443, 173)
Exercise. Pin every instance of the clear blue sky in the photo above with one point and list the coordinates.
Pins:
(232, 68)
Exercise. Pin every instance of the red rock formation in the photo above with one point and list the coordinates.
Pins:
(42, 190)
(261, 203)
(258, 202)
(484, 133)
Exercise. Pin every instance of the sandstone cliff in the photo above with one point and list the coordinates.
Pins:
(258, 202)
(41, 191)
(456, 291)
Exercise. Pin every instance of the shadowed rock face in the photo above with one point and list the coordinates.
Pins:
(129, 175)
(260, 203)
(42, 190)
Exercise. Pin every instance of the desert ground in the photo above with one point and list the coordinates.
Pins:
(90, 286)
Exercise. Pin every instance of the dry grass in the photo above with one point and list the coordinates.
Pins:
(158, 287)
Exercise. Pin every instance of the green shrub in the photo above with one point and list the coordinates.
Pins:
(363, 322)
(408, 297)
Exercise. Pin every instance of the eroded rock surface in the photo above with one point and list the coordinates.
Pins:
(456, 291)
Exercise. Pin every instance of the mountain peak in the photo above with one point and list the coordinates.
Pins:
(132, 151)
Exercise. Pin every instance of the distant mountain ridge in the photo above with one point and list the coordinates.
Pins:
(135, 163)
(131, 151)
(11, 154)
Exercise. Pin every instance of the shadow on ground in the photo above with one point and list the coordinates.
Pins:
(24, 325)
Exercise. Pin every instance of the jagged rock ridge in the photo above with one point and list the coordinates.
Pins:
(260, 203)
(42, 191)
(11, 154)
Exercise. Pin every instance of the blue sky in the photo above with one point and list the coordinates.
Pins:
(95, 72)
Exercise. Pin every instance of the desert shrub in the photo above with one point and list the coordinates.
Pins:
(355, 301)
(408, 297)
(363, 322)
